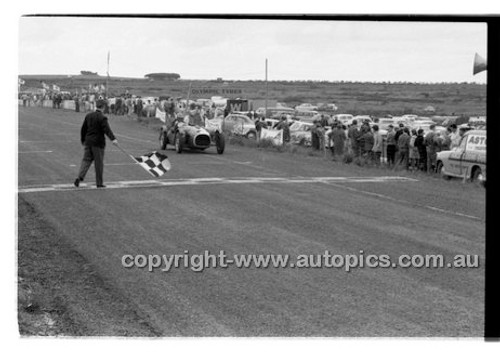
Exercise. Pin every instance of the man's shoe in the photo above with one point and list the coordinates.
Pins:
(77, 182)
(101, 186)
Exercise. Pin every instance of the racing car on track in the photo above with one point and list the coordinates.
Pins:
(195, 137)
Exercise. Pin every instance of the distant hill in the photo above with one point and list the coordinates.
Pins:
(84, 72)
(377, 99)
(162, 76)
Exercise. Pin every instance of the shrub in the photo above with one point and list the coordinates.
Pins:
(358, 161)
(266, 143)
(348, 158)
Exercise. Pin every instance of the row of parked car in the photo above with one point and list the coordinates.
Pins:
(242, 125)
(467, 161)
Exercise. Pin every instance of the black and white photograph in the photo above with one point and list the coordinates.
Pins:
(286, 176)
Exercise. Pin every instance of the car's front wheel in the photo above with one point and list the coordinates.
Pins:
(220, 143)
(439, 170)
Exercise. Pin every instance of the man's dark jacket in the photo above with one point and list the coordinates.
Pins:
(94, 127)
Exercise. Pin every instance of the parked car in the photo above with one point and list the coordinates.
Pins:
(306, 106)
(275, 111)
(343, 118)
(307, 115)
(426, 127)
(424, 120)
(300, 133)
(409, 117)
(361, 119)
(271, 122)
(383, 123)
(468, 160)
(239, 124)
(327, 107)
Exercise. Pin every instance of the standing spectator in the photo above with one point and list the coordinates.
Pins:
(368, 142)
(454, 136)
(431, 147)
(414, 154)
(323, 121)
(377, 145)
(461, 133)
(260, 124)
(283, 125)
(77, 103)
(422, 150)
(314, 135)
(130, 105)
(58, 100)
(353, 134)
(139, 106)
(391, 146)
(399, 132)
(91, 102)
(446, 141)
(118, 106)
(366, 125)
(321, 131)
(404, 148)
(361, 141)
(339, 137)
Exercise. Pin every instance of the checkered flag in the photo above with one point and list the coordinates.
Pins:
(155, 163)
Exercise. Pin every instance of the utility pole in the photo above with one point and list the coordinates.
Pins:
(267, 92)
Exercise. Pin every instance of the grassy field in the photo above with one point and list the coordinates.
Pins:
(378, 99)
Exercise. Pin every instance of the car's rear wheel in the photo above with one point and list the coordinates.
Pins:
(220, 143)
(251, 135)
(476, 176)
(178, 143)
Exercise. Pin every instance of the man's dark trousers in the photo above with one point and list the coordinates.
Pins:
(96, 154)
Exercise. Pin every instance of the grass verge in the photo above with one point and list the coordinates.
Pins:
(60, 294)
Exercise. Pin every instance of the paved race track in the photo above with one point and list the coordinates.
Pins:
(248, 201)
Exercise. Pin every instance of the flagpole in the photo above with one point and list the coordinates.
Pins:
(107, 78)
(131, 156)
(267, 91)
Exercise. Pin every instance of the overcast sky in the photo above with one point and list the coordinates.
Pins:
(237, 49)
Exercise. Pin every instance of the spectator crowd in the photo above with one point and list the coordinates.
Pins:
(399, 148)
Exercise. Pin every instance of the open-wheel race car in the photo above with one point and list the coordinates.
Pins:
(183, 136)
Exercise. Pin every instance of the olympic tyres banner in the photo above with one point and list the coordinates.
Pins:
(276, 136)
(161, 115)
